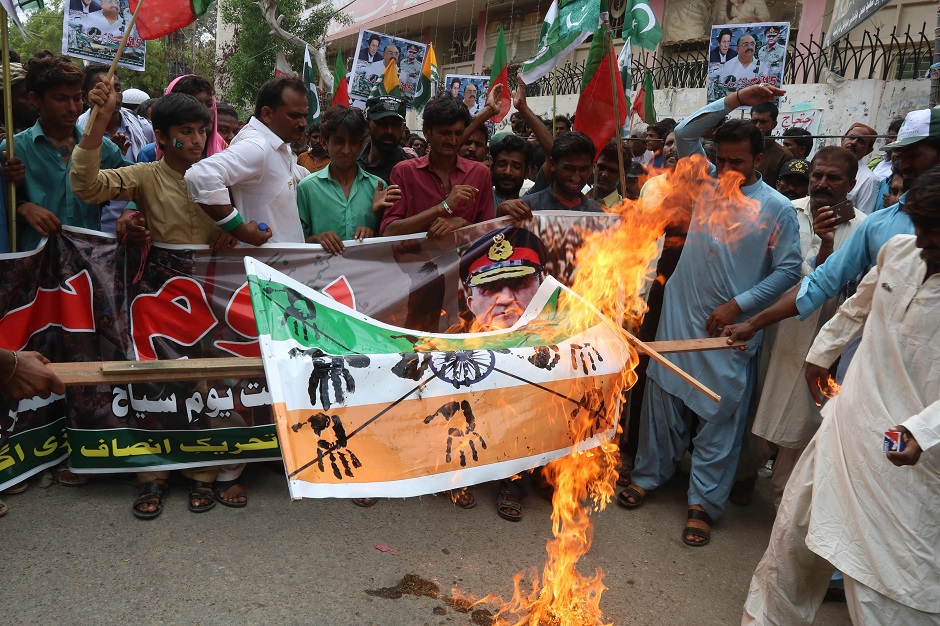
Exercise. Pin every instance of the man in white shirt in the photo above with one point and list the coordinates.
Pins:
(742, 70)
(859, 140)
(259, 168)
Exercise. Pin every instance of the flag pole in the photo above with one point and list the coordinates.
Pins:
(114, 63)
(8, 124)
(554, 98)
(613, 88)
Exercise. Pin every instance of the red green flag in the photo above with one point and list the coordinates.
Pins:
(340, 84)
(500, 76)
(595, 115)
(643, 105)
(159, 18)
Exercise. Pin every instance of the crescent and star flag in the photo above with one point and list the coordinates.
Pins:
(430, 76)
(640, 26)
(340, 83)
(313, 98)
(499, 75)
(159, 18)
(366, 409)
(567, 25)
(389, 85)
(596, 115)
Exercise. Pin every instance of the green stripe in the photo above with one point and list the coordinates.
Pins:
(200, 7)
(935, 122)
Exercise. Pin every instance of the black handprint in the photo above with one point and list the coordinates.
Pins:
(595, 403)
(584, 353)
(330, 371)
(545, 357)
(450, 411)
(336, 449)
(412, 365)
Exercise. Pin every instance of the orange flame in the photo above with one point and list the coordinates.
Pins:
(831, 389)
(614, 270)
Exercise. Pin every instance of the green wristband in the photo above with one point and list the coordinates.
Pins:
(232, 224)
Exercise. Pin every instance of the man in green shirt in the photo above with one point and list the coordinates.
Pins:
(46, 201)
(342, 201)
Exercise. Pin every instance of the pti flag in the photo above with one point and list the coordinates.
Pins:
(159, 18)
(366, 409)
(500, 76)
(644, 105)
(567, 24)
(598, 115)
(430, 76)
(340, 84)
(313, 97)
(640, 26)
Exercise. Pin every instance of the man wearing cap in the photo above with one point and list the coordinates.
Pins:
(771, 56)
(442, 191)
(917, 150)
(132, 98)
(24, 113)
(764, 117)
(793, 181)
(859, 140)
(787, 416)
(386, 118)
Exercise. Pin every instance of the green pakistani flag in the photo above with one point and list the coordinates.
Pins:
(313, 99)
(640, 25)
(567, 25)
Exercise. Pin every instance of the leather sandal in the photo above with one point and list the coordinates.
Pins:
(699, 516)
(150, 493)
(637, 493)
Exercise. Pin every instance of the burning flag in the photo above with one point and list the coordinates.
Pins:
(365, 409)
(159, 18)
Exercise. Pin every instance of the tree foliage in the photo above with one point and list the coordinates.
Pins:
(44, 30)
(248, 60)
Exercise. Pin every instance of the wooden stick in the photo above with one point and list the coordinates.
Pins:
(114, 62)
(123, 372)
(647, 348)
(612, 68)
(8, 124)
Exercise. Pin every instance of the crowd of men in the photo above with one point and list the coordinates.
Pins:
(835, 226)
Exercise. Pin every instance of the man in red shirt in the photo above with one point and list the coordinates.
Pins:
(440, 192)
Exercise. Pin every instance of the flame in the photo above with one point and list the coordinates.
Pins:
(613, 268)
(831, 389)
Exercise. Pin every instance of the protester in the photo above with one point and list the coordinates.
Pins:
(418, 144)
(859, 140)
(201, 89)
(895, 189)
(24, 113)
(133, 98)
(607, 175)
(714, 286)
(847, 505)
(442, 191)
(386, 126)
(316, 157)
(562, 125)
(518, 125)
(787, 416)
(798, 141)
(572, 161)
(476, 148)
(512, 156)
(226, 121)
(764, 117)
(655, 140)
(144, 108)
(46, 201)
(259, 170)
(341, 201)
(637, 144)
(880, 165)
(793, 181)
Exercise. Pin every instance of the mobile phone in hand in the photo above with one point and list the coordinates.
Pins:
(844, 211)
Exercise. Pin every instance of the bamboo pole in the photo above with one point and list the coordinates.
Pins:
(114, 63)
(8, 124)
(613, 87)
(124, 372)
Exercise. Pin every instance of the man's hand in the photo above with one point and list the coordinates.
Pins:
(817, 379)
(104, 97)
(493, 100)
(722, 316)
(363, 232)
(122, 141)
(250, 233)
(739, 332)
(444, 225)
(32, 378)
(13, 170)
(518, 96)
(757, 94)
(222, 240)
(912, 450)
(330, 242)
(516, 209)
(42, 220)
(384, 198)
(824, 226)
(131, 228)
(462, 196)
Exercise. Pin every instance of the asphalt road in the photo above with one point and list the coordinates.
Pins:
(77, 556)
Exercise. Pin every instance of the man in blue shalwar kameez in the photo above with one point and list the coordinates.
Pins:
(740, 256)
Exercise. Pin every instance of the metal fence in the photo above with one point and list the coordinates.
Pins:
(893, 56)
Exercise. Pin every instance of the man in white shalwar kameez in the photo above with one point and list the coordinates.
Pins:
(847, 505)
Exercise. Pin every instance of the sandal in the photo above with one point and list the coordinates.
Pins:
(62, 475)
(221, 486)
(150, 493)
(508, 506)
(743, 491)
(635, 492)
(463, 498)
(697, 517)
(365, 502)
(201, 491)
(623, 479)
(16, 489)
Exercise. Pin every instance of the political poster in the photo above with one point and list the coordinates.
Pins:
(469, 88)
(92, 30)
(374, 51)
(740, 55)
